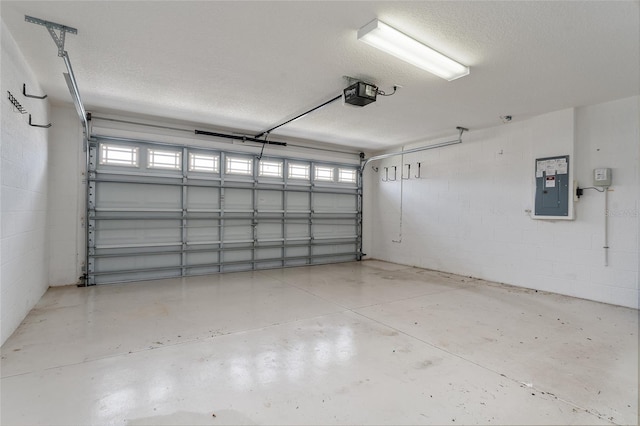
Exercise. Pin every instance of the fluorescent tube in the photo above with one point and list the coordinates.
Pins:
(380, 35)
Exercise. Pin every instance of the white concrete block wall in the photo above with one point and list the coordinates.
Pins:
(467, 214)
(607, 135)
(66, 197)
(23, 191)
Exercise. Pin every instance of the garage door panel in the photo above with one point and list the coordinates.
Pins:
(232, 256)
(203, 258)
(132, 263)
(289, 263)
(238, 199)
(146, 222)
(297, 230)
(203, 230)
(297, 251)
(335, 202)
(269, 231)
(203, 198)
(128, 276)
(238, 230)
(334, 230)
(270, 200)
(269, 253)
(139, 196)
(203, 270)
(140, 233)
(333, 249)
(240, 267)
(298, 201)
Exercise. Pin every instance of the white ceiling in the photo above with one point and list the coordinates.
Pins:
(251, 65)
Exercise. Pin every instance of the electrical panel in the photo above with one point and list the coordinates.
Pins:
(602, 177)
(552, 187)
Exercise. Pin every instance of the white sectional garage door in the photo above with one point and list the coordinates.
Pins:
(161, 210)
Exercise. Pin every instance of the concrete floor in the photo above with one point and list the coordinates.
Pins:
(356, 343)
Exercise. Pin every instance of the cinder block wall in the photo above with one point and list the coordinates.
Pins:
(23, 198)
(468, 212)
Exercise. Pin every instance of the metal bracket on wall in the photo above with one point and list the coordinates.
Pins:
(24, 92)
(418, 175)
(408, 172)
(44, 126)
(51, 27)
(395, 174)
(16, 104)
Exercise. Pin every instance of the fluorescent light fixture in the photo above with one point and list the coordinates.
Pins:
(388, 39)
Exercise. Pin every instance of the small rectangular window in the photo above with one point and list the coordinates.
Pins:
(164, 159)
(270, 168)
(347, 175)
(239, 166)
(204, 162)
(298, 171)
(324, 173)
(118, 155)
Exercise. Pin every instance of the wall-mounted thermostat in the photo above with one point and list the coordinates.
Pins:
(602, 177)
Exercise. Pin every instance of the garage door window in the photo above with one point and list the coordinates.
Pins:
(239, 166)
(347, 175)
(324, 173)
(165, 159)
(204, 163)
(118, 155)
(298, 171)
(270, 168)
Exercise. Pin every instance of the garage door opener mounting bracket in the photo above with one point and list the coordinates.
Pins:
(70, 77)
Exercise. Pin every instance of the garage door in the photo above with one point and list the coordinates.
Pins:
(160, 210)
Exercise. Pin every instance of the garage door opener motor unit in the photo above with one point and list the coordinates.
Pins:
(360, 94)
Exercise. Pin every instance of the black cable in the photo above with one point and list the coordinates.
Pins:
(382, 93)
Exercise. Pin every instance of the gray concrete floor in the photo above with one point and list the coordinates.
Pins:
(356, 343)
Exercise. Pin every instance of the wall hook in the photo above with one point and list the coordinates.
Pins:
(24, 92)
(408, 172)
(395, 174)
(374, 168)
(418, 175)
(44, 126)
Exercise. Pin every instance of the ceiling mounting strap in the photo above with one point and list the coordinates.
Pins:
(52, 27)
(69, 77)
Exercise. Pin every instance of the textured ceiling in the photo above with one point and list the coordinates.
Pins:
(251, 65)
